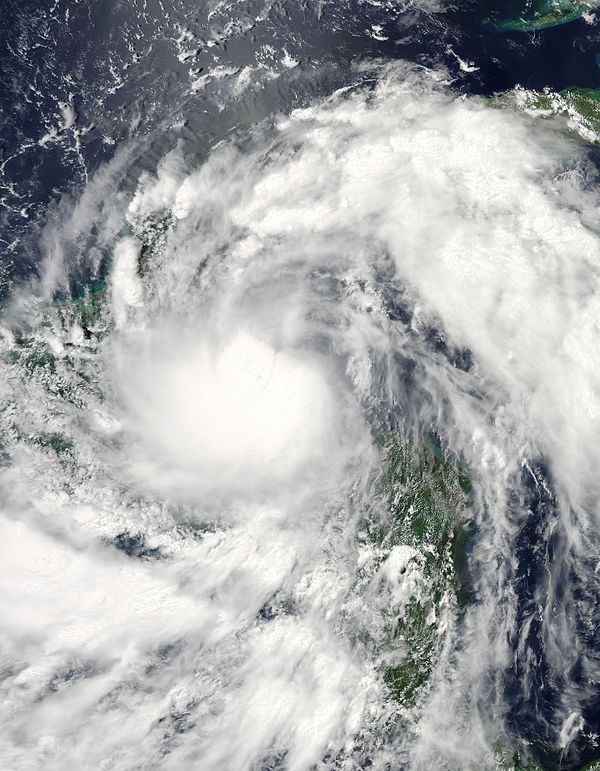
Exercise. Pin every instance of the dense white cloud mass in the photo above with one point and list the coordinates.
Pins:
(221, 416)
(221, 433)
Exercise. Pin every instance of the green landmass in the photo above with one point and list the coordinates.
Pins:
(513, 760)
(544, 14)
(87, 306)
(87, 309)
(578, 107)
(153, 233)
(425, 495)
(54, 441)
